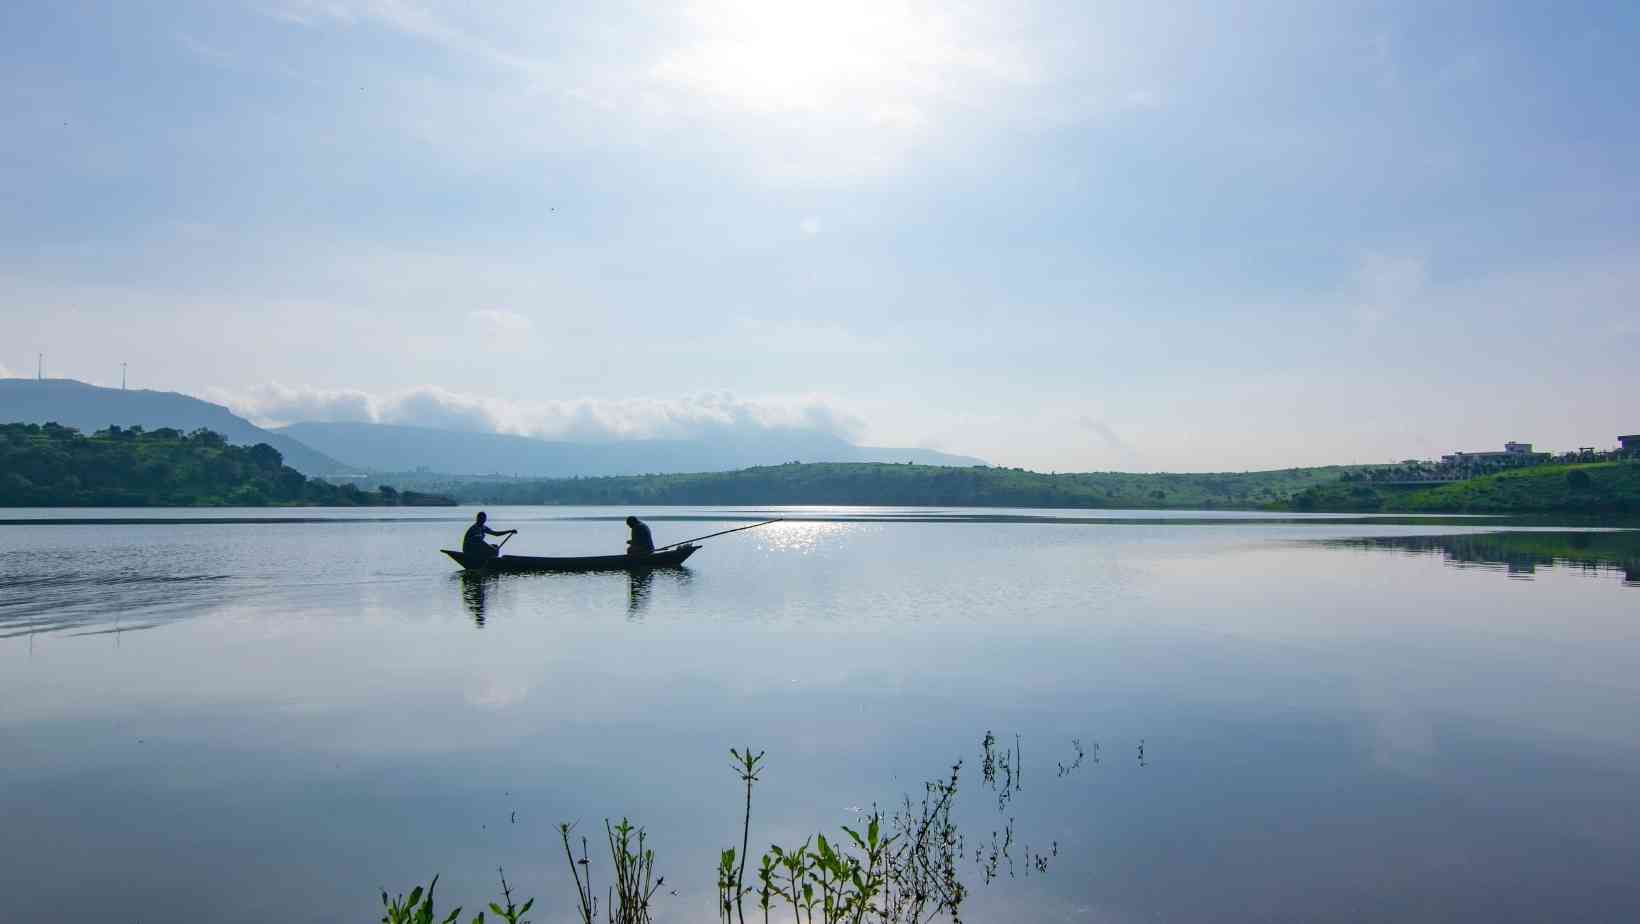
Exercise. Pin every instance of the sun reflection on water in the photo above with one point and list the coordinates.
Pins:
(802, 538)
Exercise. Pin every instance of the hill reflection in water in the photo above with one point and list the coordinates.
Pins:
(1520, 554)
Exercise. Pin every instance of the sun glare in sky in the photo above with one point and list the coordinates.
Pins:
(881, 60)
(1048, 233)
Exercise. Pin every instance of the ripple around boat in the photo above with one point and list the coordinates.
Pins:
(671, 558)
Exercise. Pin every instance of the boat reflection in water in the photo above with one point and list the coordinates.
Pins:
(1519, 554)
(478, 588)
(475, 588)
(640, 586)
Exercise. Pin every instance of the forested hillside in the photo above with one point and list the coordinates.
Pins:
(54, 466)
(90, 408)
(1599, 487)
(911, 485)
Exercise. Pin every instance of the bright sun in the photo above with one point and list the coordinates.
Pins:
(869, 57)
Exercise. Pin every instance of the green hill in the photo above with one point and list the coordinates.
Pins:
(910, 485)
(56, 466)
(1596, 487)
(90, 408)
(52, 465)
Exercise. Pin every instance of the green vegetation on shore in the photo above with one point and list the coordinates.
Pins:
(1590, 488)
(56, 466)
(889, 484)
(1597, 487)
(51, 465)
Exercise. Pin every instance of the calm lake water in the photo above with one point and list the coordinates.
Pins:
(1281, 719)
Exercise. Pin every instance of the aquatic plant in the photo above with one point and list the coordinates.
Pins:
(417, 908)
(633, 882)
(903, 868)
(634, 874)
(507, 911)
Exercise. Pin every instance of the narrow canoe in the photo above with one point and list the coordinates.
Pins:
(670, 558)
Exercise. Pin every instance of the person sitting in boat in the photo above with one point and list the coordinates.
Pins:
(473, 545)
(641, 543)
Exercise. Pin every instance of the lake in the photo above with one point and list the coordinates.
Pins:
(1214, 717)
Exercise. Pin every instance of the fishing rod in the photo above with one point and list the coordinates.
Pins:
(724, 533)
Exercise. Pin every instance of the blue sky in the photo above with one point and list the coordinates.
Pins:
(1063, 236)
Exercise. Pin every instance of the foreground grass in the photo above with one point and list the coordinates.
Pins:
(902, 867)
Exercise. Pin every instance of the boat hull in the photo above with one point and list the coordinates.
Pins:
(671, 558)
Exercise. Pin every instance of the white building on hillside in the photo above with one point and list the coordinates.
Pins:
(1513, 454)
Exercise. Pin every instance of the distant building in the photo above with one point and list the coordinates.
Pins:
(1629, 442)
(1512, 454)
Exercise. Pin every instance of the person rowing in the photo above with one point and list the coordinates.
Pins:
(641, 543)
(473, 546)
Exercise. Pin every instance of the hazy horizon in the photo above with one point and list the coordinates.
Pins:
(1050, 236)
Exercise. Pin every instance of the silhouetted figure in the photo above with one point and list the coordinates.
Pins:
(473, 546)
(641, 543)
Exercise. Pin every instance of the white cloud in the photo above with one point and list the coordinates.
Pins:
(1384, 285)
(798, 337)
(277, 404)
(718, 414)
(848, 55)
(1142, 99)
(6, 373)
(1103, 431)
(810, 225)
(498, 321)
(308, 12)
(805, 92)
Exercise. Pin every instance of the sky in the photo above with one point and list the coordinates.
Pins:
(1064, 236)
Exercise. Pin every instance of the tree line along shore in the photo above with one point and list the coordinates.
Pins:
(1597, 488)
(53, 466)
(49, 465)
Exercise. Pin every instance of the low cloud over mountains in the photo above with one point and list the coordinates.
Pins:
(714, 415)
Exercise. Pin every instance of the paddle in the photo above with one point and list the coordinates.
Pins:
(724, 533)
(504, 542)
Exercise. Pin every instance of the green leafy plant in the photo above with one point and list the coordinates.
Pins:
(905, 877)
(586, 901)
(635, 882)
(418, 908)
(898, 869)
(747, 766)
(507, 911)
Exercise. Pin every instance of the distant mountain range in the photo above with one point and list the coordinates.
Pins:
(385, 448)
(90, 408)
(316, 448)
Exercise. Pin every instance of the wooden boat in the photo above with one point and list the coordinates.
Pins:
(671, 558)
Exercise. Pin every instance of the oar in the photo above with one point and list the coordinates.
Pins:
(504, 542)
(724, 533)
